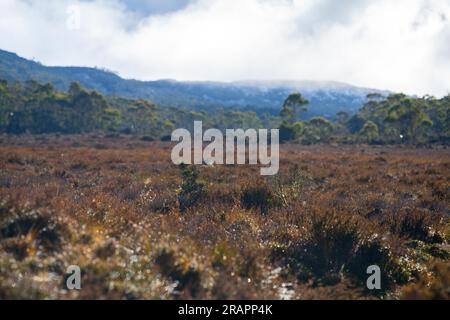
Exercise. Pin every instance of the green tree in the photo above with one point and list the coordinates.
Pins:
(369, 132)
(75, 89)
(342, 117)
(141, 117)
(408, 117)
(88, 109)
(355, 124)
(316, 130)
(293, 106)
(287, 132)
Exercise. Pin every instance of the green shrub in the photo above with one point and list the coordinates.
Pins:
(373, 251)
(334, 248)
(192, 189)
(325, 249)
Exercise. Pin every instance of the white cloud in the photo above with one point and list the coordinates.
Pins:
(401, 45)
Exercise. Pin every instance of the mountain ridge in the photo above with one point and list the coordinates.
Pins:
(326, 97)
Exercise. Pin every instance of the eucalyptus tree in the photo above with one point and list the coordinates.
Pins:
(369, 132)
(409, 118)
(293, 106)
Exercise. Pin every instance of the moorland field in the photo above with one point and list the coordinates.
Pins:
(140, 227)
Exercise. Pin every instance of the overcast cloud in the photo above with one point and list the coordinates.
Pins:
(401, 45)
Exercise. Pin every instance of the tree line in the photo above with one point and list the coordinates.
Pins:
(36, 108)
(32, 107)
(393, 119)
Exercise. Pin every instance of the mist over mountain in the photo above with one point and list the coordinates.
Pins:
(326, 98)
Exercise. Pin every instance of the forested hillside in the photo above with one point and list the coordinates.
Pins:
(40, 108)
(326, 98)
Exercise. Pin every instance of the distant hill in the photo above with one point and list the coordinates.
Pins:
(326, 98)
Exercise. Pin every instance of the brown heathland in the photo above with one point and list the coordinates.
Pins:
(140, 228)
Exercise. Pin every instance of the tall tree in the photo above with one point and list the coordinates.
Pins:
(407, 115)
(318, 129)
(369, 132)
(293, 106)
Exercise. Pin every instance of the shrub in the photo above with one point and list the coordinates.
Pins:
(428, 251)
(166, 138)
(192, 190)
(335, 247)
(434, 287)
(258, 197)
(186, 275)
(373, 251)
(287, 188)
(34, 226)
(147, 139)
(325, 249)
(415, 225)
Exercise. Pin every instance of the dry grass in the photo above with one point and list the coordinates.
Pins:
(112, 206)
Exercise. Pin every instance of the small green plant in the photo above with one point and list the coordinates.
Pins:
(192, 190)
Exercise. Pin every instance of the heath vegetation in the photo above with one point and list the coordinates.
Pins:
(140, 227)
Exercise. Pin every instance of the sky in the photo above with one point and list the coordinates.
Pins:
(401, 45)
